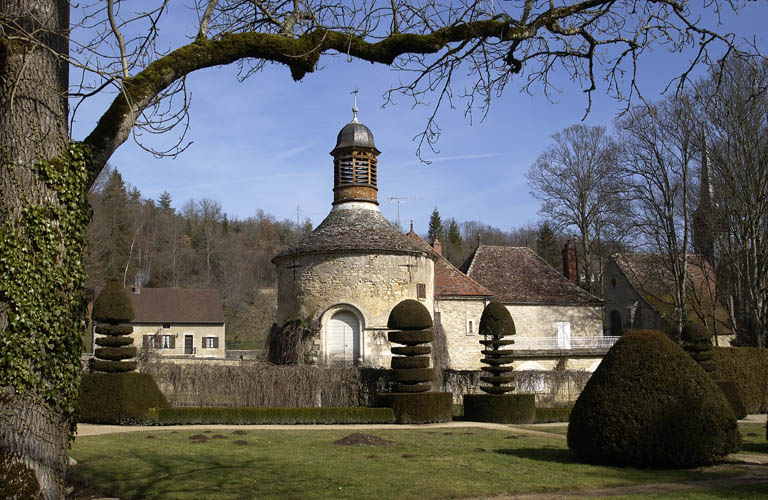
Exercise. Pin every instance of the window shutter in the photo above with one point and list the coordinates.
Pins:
(157, 341)
(421, 291)
(146, 340)
(215, 342)
(173, 342)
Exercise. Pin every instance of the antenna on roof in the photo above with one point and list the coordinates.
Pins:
(402, 199)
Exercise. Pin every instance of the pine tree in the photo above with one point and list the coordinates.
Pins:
(547, 246)
(454, 236)
(164, 201)
(435, 226)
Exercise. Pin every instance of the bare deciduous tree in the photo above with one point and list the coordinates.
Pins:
(577, 181)
(735, 108)
(659, 146)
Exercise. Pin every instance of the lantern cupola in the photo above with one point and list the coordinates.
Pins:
(354, 163)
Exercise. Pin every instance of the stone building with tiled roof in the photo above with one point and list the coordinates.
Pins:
(638, 291)
(351, 271)
(355, 267)
(179, 322)
(552, 315)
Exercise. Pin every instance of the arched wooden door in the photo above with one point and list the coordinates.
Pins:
(343, 337)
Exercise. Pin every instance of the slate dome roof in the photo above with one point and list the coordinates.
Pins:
(354, 230)
(355, 134)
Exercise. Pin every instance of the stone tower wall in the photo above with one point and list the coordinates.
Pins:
(371, 283)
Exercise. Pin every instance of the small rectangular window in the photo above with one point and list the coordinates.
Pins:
(168, 342)
(421, 291)
(470, 327)
(166, 325)
(210, 342)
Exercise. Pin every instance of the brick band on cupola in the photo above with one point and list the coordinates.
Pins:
(354, 163)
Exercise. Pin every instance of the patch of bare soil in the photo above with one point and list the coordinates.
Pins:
(218, 436)
(198, 438)
(362, 439)
(239, 432)
(240, 442)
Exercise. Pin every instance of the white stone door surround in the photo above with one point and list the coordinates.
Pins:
(342, 335)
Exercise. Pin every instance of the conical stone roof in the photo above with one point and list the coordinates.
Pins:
(354, 230)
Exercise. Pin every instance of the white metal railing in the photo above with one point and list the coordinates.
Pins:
(546, 343)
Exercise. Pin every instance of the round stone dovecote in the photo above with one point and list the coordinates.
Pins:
(355, 267)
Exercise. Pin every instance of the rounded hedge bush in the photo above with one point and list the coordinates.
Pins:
(649, 404)
(409, 315)
(496, 321)
(113, 305)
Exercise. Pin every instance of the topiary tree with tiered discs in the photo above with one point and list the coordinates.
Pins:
(697, 342)
(498, 405)
(118, 395)
(495, 324)
(412, 401)
(649, 404)
(112, 309)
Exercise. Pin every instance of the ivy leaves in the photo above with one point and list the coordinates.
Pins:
(42, 290)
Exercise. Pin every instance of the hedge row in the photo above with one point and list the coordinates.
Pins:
(549, 415)
(748, 368)
(500, 408)
(118, 398)
(289, 416)
(419, 407)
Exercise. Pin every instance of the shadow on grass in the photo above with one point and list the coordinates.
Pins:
(557, 455)
(754, 448)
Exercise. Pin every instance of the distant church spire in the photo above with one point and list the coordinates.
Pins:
(703, 230)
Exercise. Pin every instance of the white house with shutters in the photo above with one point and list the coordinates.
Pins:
(177, 322)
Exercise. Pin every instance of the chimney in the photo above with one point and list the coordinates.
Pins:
(137, 284)
(437, 246)
(569, 261)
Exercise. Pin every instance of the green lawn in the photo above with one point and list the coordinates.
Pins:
(423, 464)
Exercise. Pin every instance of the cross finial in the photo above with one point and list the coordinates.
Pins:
(354, 108)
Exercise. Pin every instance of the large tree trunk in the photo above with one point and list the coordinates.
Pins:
(38, 364)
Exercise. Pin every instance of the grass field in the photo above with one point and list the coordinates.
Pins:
(425, 464)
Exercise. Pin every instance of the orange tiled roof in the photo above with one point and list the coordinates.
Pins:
(449, 281)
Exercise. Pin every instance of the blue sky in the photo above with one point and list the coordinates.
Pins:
(263, 144)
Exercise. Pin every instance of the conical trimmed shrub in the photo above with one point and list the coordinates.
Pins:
(649, 404)
(110, 309)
